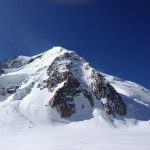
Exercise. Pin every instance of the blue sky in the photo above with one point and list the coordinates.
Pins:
(113, 35)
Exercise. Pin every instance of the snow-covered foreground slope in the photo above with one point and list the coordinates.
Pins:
(96, 133)
(85, 135)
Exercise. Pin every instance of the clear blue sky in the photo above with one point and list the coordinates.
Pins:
(113, 35)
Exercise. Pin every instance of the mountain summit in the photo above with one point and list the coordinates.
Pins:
(59, 85)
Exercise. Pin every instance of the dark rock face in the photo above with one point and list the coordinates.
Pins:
(15, 62)
(2, 91)
(18, 61)
(67, 70)
(102, 89)
(8, 90)
(10, 63)
(12, 89)
(63, 98)
(1, 71)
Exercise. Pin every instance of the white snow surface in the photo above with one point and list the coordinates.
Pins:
(27, 122)
(84, 135)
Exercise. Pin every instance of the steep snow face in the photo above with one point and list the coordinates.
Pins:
(38, 89)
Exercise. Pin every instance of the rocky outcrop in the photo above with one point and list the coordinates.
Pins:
(102, 89)
(15, 62)
(1, 71)
(8, 90)
(63, 100)
(73, 76)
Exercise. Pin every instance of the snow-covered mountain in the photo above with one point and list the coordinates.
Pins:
(60, 86)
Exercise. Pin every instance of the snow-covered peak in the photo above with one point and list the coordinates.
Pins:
(58, 85)
(20, 61)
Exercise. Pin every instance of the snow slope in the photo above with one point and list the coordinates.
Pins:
(136, 97)
(85, 135)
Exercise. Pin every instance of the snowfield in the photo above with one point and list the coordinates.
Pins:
(28, 123)
(84, 135)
